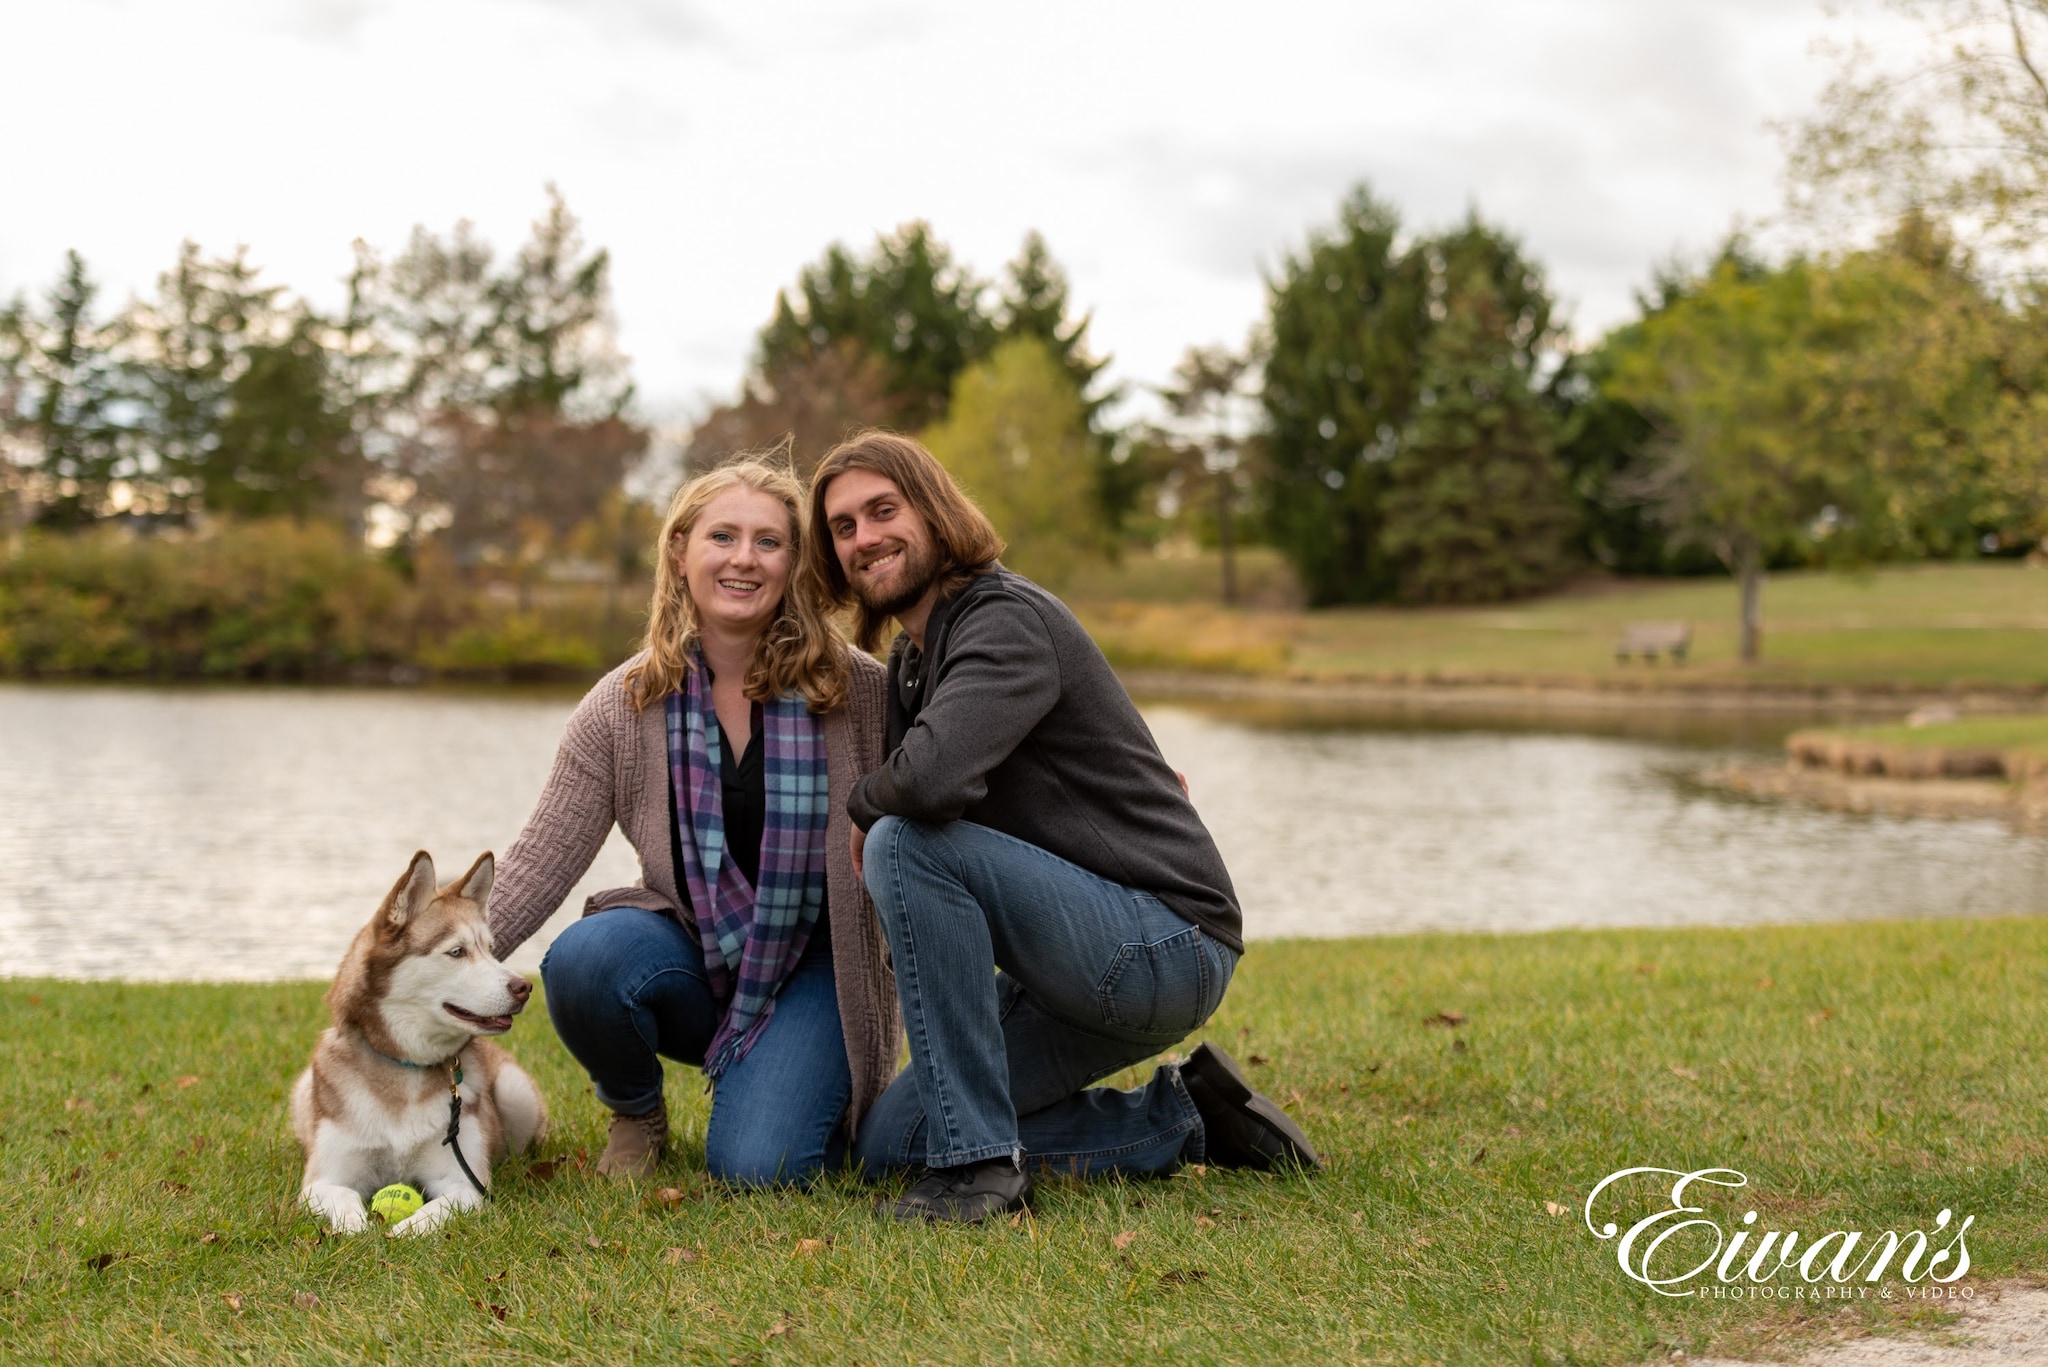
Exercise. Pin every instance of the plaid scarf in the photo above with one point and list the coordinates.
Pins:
(752, 936)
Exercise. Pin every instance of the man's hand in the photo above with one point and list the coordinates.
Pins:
(858, 841)
(1183, 784)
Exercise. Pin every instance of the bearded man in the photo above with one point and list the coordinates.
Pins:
(1055, 909)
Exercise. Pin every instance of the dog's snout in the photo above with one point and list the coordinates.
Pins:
(520, 988)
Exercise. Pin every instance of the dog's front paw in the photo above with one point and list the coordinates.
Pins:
(425, 1220)
(340, 1207)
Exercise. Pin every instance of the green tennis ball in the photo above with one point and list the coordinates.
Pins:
(395, 1202)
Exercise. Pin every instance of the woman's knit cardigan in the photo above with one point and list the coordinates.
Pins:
(612, 767)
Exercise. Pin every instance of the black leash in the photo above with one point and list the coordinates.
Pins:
(455, 1130)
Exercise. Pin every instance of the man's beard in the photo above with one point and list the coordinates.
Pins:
(920, 570)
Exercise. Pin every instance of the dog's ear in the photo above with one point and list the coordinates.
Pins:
(476, 884)
(409, 895)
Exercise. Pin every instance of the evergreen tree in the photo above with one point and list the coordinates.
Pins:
(188, 345)
(1035, 304)
(1345, 323)
(552, 348)
(285, 445)
(72, 402)
(907, 304)
(1476, 506)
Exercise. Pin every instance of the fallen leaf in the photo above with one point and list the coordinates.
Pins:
(669, 1197)
(102, 1261)
(1183, 1276)
(496, 1312)
(199, 1143)
(210, 1237)
(1688, 1074)
(1375, 1067)
(811, 1248)
(1017, 1220)
(1646, 968)
(498, 1276)
(781, 1328)
(1458, 1046)
(1295, 1096)
(234, 1300)
(1481, 1154)
(1514, 1132)
(1123, 1240)
(1553, 1208)
(681, 1255)
(1765, 983)
(1204, 1222)
(594, 1241)
(73, 1103)
(1422, 1241)
(35, 1001)
(1405, 1120)
(306, 1300)
(1821, 1015)
(176, 1188)
(554, 1252)
(1257, 1060)
(1196, 1170)
(189, 1080)
(544, 1169)
(77, 1173)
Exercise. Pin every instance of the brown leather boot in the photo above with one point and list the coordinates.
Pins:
(634, 1144)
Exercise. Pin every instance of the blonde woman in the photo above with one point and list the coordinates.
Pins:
(724, 750)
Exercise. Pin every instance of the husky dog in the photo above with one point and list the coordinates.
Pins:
(412, 1001)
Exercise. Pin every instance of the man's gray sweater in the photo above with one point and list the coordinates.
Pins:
(1011, 718)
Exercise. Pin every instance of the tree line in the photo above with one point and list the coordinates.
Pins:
(1408, 422)
(477, 402)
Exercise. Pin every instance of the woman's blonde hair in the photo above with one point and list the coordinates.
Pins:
(800, 652)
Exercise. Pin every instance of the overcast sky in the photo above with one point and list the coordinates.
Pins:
(1169, 152)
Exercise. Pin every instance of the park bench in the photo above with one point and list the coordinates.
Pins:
(1648, 640)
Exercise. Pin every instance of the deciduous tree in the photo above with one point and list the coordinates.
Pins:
(1016, 437)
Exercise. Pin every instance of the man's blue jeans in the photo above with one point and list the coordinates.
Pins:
(627, 985)
(1023, 979)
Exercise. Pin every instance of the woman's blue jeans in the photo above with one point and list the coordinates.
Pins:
(627, 987)
(1024, 978)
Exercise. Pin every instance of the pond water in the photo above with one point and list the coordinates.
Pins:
(242, 834)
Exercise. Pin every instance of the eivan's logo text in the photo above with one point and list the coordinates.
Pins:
(1659, 1249)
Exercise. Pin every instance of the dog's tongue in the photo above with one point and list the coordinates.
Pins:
(484, 1022)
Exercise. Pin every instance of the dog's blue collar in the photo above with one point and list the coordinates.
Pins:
(408, 1063)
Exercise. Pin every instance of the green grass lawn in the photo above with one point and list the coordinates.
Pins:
(1982, 623)
(2027, 734)
(1862, 1076)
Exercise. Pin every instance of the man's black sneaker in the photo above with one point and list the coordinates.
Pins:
(1241, 1128)
(964, 1195)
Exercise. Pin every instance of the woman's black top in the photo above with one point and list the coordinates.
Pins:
(743, 785)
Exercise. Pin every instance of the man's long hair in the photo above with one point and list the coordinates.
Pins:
(963, 540)
(799, 652)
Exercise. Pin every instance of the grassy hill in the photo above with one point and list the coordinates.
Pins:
(1979, 624)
